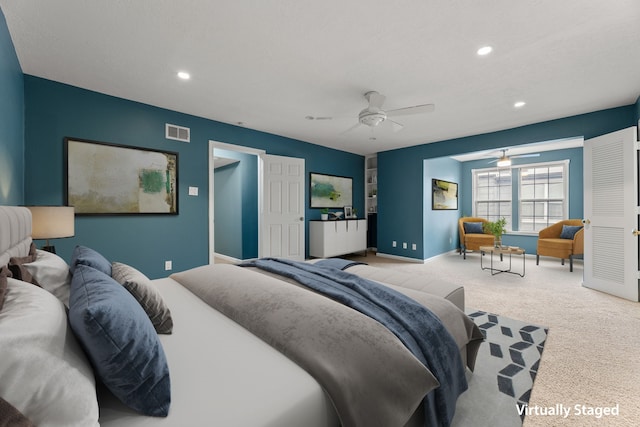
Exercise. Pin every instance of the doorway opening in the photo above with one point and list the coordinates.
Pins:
(235, 197)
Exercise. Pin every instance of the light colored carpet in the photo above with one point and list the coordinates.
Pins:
(592, 353)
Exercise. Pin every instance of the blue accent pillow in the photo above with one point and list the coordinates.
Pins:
(120, 341)
(473, 227)
(568, 231)
(92, 258)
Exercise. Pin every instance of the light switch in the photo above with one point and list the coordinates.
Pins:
(193, 191)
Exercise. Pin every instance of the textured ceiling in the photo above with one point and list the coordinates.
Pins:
(269, 64)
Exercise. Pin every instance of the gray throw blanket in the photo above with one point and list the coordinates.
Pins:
(417, 327)
(370, 376)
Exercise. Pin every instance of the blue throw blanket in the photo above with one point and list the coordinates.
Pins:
(417, 327)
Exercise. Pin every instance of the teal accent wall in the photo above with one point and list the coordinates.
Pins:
(236, 206)
(11, 121)
(55, 110)
(400, 172)
(440, 228)
(638, 112)
(576, 193)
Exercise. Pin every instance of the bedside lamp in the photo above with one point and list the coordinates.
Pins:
(52, 222)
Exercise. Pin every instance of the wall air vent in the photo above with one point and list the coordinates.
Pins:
(179, 133)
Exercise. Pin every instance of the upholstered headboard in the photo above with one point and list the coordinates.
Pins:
(15, 232)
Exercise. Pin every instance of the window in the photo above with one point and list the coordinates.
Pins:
(543, 196)
(533, 196)
(492, 194)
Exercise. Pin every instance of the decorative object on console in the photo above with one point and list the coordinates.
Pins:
(336, 215)
(52, 222)
(324, 214)
(115, 179)
(330, 191)
(348, 211)
(445, 195)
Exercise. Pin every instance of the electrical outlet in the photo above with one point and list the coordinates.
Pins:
(404, 245)
(414, 246)
(168, 265)
(394, 244)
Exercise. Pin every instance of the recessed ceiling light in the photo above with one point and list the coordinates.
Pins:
(184, 75)
(519, 104)
(485, 50)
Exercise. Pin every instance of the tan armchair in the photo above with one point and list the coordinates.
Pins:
(473, 241)
(550, 243)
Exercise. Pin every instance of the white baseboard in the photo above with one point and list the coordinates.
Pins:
(435, 257)
(399, 258)
(226, 257)
(420, 261)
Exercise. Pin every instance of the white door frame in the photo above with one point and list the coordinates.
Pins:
(231, 147)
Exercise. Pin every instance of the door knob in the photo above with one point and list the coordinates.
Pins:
(586, 221)
(636, 232)
(301, 218)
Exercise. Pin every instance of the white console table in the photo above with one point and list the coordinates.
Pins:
(337, 237)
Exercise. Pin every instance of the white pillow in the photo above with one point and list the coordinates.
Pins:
(52, 273)
(44, 373)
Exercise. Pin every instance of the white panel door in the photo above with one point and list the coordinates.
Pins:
(611, 213)
(283, 229)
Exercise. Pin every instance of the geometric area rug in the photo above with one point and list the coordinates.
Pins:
(506, 367)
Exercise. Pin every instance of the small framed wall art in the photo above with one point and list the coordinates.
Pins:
(444, 195)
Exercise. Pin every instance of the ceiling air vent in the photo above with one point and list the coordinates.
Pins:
(178, 133)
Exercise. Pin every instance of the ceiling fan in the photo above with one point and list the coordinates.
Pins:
(374, 115)
(505, 160)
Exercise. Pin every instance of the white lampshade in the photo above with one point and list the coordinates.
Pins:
(52, 222)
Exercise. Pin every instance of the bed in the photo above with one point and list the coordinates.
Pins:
(250, 371)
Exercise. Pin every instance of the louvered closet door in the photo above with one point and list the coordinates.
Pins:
(611, 213)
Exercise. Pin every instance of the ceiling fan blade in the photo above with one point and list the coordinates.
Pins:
(395, 126)
(375, 99)
(416, 109)
(520, 156)
(351, 129)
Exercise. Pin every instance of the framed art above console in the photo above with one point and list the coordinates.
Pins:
(330, 191)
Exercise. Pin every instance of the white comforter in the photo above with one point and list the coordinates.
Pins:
(222, 375)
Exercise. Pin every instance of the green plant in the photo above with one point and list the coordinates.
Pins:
(324, 210)
(497, 228)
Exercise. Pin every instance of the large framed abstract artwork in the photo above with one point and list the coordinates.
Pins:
(445, 195)
(330, 191)
(113, 179)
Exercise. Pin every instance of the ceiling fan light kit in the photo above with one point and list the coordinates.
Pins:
(371, 118)
(503, 162)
